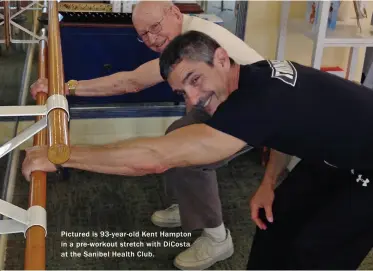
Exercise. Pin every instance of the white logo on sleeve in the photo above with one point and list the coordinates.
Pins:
(360, 179)
(283, 70)
(364, 181)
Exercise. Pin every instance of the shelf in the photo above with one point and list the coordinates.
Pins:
(343, 36)
(346, 34)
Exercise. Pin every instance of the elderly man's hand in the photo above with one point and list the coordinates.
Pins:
(41, 85)
(36, 159)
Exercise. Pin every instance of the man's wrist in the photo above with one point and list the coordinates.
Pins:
(267, 181)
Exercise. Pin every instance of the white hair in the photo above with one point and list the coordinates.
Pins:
(159, 4)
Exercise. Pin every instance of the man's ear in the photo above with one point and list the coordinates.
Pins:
(221, 58)
(176, 12)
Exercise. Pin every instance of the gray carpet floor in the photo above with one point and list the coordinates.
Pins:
(90, 202)
(96, 202)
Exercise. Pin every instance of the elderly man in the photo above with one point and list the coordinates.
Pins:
(196, 190)
(258, 105)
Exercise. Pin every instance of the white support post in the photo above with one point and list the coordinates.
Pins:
(321, 27)
(28, 110)
(21, 220)
(53, 102)
(281, 39)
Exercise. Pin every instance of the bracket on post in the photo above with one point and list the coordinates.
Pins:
(21, 220)
(53, 102)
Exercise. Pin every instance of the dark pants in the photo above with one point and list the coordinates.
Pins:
(323, 219)
(195, 189)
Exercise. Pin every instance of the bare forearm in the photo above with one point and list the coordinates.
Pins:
(138, 156)
(187, 146)
(119, 158)
(115, 84)
(113, 170)
(275, 167)
(143, 77)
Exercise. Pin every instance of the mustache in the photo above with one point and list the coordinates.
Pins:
(202, 101)
(200, 105)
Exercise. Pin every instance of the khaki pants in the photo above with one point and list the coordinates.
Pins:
(195, 189)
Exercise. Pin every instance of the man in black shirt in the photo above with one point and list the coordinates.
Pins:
(320, 216)
(301, 111)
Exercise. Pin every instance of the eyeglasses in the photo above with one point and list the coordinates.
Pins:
(154, 29)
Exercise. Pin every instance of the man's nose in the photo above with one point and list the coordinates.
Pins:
(152, 38)
(193, 96)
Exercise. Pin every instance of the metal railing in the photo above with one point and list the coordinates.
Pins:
(10, 23)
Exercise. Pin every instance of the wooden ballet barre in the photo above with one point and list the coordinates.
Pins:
(50, 66)
(6, 24)
(58, 135)
(35, 236)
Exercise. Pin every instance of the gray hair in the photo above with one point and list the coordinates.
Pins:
(192, 45)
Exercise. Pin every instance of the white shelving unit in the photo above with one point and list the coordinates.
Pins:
(342, 36)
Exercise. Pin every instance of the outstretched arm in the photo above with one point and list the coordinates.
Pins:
(196, 144)
(143, 77)
(147, 75)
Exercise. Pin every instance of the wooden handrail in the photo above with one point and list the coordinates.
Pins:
(6, 24)
(58, 135)
(35, 235)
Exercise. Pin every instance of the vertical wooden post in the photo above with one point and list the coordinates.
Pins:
(7, 24)
(35, 236)
(58, 136)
